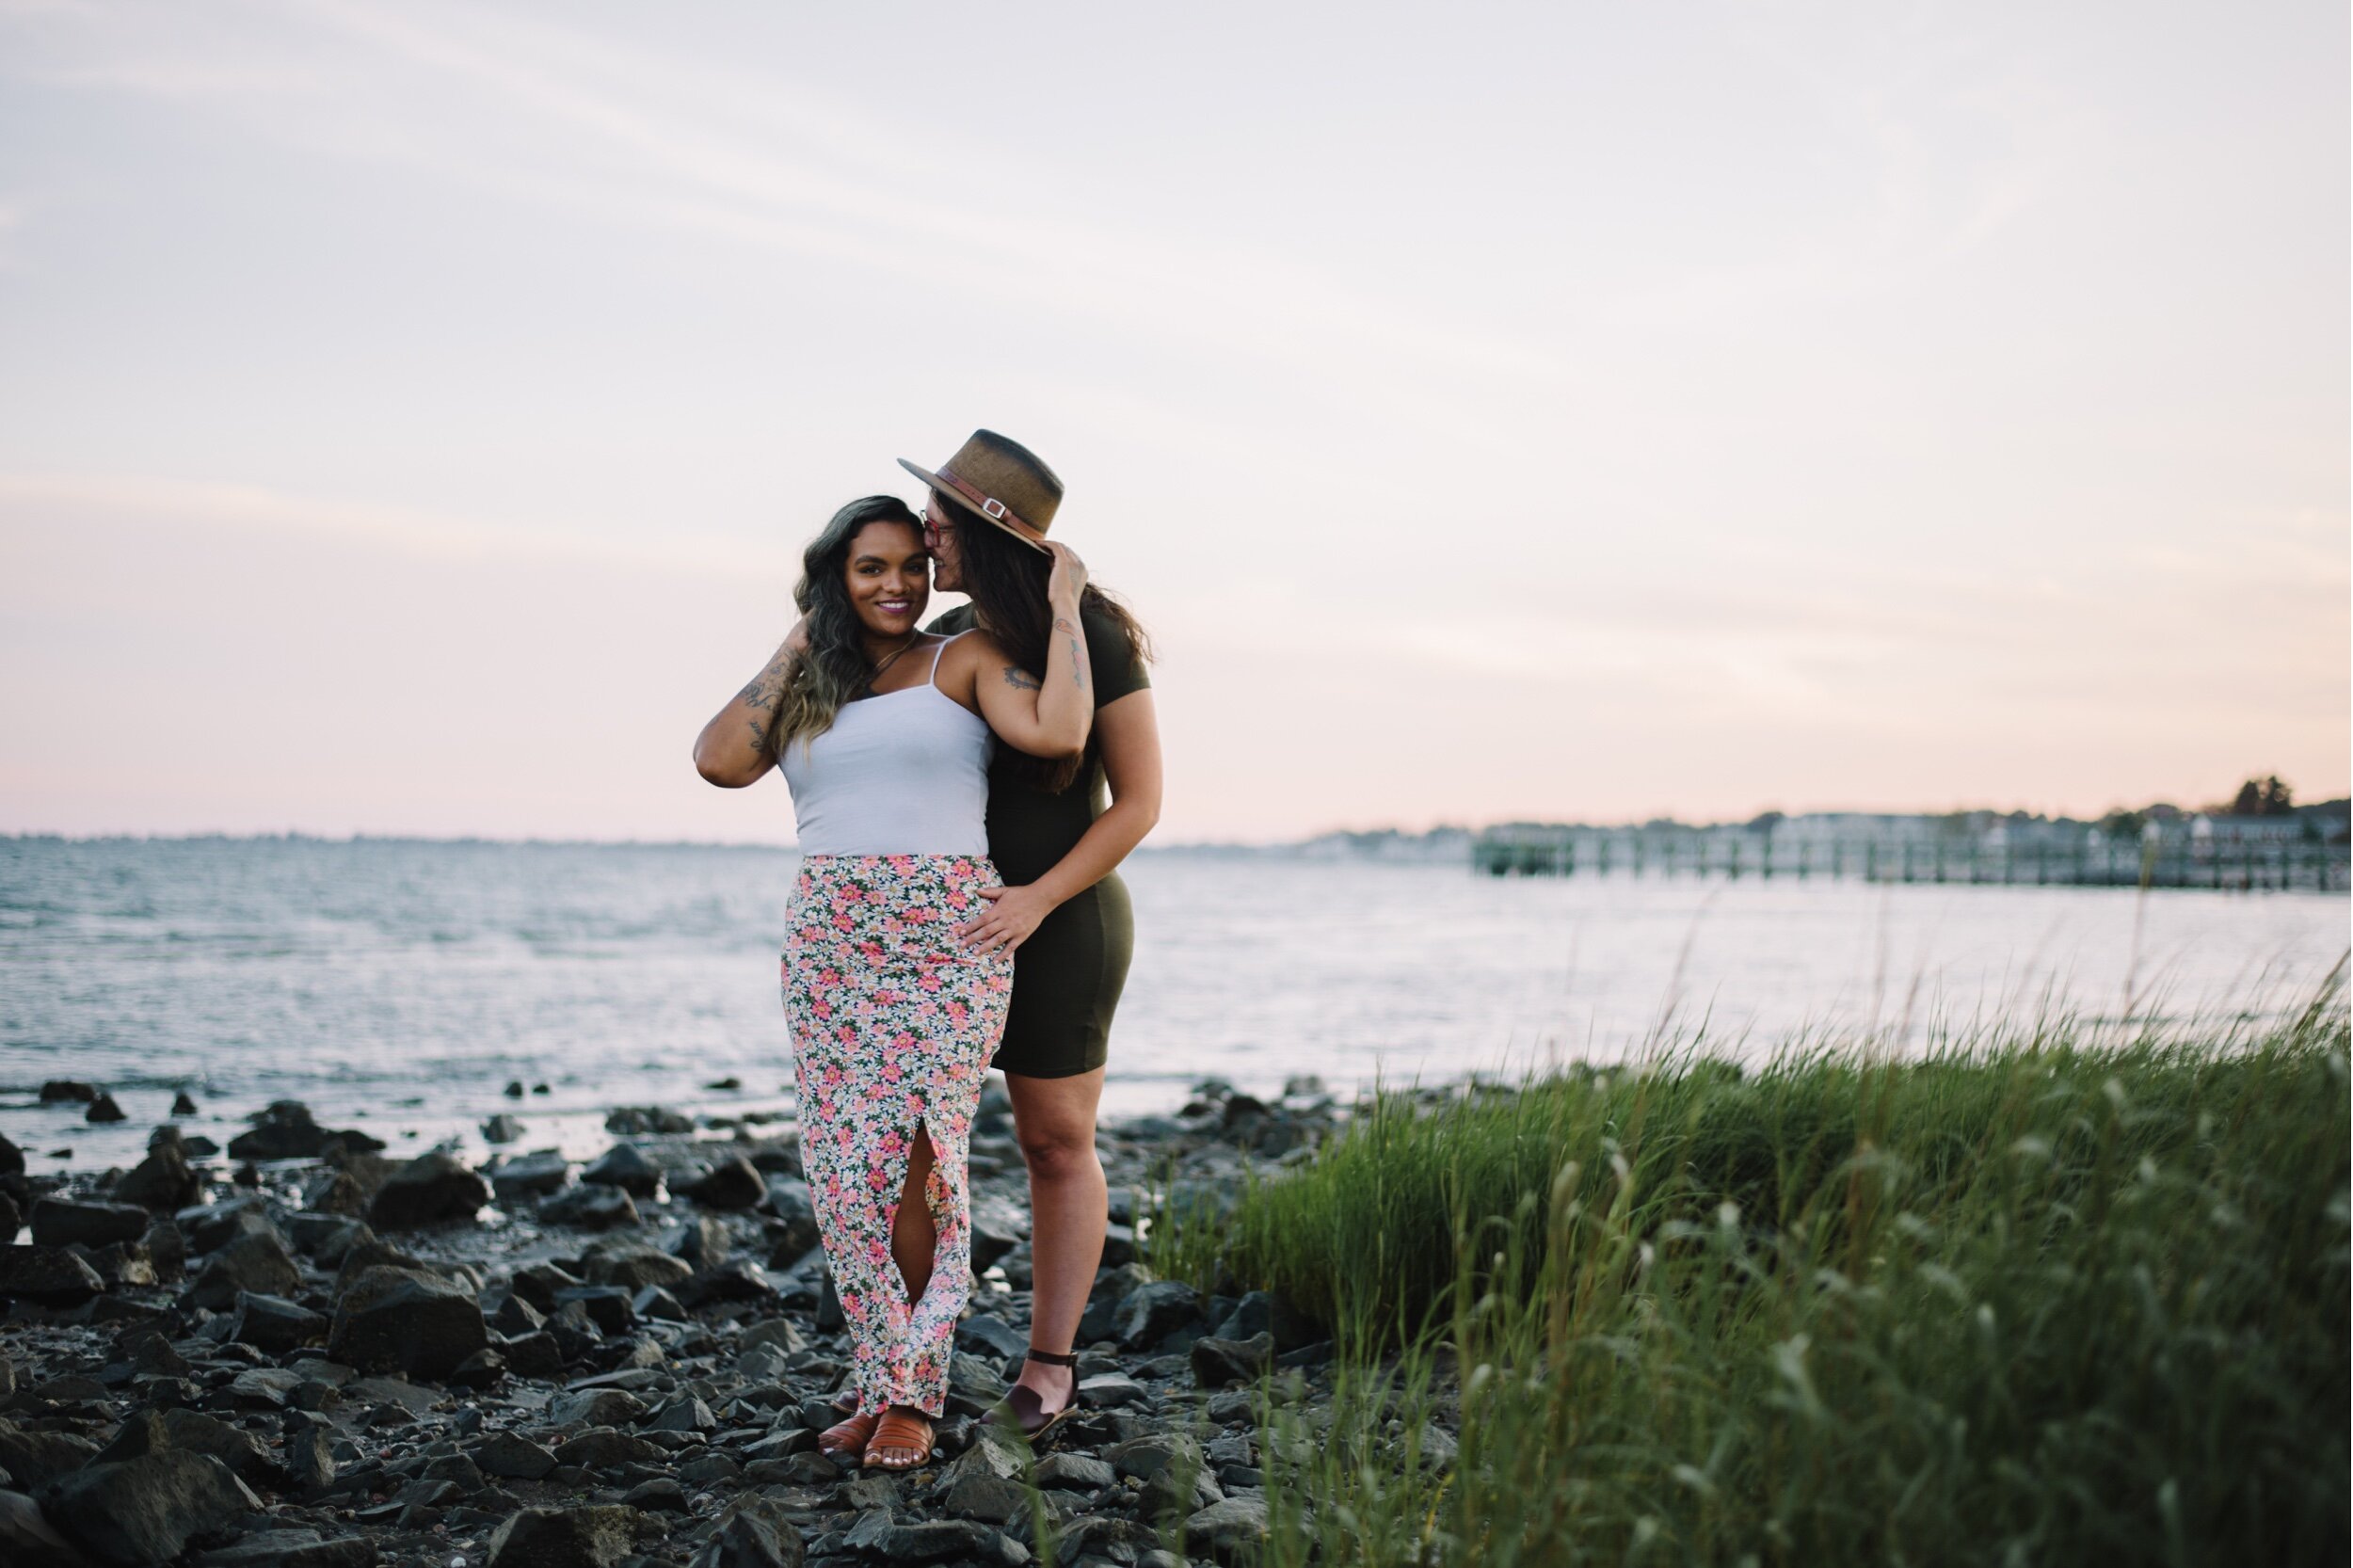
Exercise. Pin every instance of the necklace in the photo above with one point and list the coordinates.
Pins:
(875, 674)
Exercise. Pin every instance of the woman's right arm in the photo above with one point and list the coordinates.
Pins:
(733, 750)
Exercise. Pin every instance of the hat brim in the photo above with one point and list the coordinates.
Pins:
(940, 486)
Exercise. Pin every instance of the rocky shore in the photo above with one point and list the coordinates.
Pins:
(297, 1351)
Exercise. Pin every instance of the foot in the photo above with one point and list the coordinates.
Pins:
(902, 1441)
(846, 1441)
(1044, 1393)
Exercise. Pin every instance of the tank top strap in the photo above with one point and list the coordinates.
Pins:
(933, 679)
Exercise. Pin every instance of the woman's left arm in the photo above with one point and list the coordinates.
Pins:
(1130, 737)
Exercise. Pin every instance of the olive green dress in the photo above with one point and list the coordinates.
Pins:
(1067, 977)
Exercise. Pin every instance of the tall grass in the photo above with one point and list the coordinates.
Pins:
(2027, 1300)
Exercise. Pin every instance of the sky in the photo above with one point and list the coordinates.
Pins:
(411, 413)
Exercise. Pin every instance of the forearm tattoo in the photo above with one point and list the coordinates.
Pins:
(763, 696)
(1078, 666)
(1019, 679)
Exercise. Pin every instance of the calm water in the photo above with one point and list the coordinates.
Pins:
(402, 984)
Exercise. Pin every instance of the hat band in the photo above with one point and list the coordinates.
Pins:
(992, 508)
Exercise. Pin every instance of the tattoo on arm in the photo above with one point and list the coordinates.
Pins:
(1078, 671)
(1019, 679)
(764, 696)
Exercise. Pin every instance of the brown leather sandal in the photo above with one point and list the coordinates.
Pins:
(1029, 1411)
(847, 1440)
(904, 1431)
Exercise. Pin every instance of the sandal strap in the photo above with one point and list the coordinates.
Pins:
(1051, 1359)
(895, 1431)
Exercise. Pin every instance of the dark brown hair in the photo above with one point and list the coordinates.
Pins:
(1006, 580)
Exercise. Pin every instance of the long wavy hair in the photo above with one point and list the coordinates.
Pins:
(833, 669)
(1006, 580)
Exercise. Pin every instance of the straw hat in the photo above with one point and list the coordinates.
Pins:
(1000, 481)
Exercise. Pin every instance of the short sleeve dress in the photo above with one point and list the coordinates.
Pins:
(1068, 975)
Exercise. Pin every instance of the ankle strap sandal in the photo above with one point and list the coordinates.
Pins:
(1029, 1412)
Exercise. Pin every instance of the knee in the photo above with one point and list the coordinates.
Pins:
(1058, 1154)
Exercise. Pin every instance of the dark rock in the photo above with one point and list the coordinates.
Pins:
(684, 1413)
(660, 1495)
(985, 1496)
(502, 1129)
(624, 1166)
(145, 1509)
(192, 1432)
(514, 1088)
(309, 1457)
(986, 1332)
(633, 1265)
(952, 1541)
(606, 1306)
(795, 1228)
(539, 1283)
(1150, 1313)
(328, 1238)
(119, 1263)
(68, 1091)
(292, 1549)
(216, 1224)
(1217, 1363)
(335, 1193)
(530, 1176)
(730, 1186)
(162, 1182)
(642, 1119)
(512, 1456)
(700, 1241)
(257, 1261)
(403, 1320)
(999, 1226)
(285, 1131)
(181, 1105)
(737, 1280)
(59, 1224)
(1099, 1538)
(597, 1407)
(275, 1324)
(46, 1277)
(517, 1317)
(756, 1533)
(1077, 1472)
(38, 1458)
(167, 1251)
(1111, 1390)
(103, 1109)
(602, 1448)
(11, 1158)
(481, 1369)
(595, 1537)
(434, 1186)
(26, 1540)
(11, 1219)
(1230, 1531)
(590, 1208)
(534, 1355)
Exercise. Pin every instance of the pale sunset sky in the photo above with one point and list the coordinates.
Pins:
(411, 413)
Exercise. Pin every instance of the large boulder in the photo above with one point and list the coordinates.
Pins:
(624, 1165)
(285, 1130)
(595, 1537)
(162, 1181)
(38, 1458)
(731, 1184)
(405, 1321)
(275, 1325)
(146, 1510)
(11, 1158)
(58, 1223)
(756, 1533)
(46, 1277)
(435, 1186)
(256, 1261)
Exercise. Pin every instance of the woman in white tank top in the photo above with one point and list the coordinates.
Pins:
(883, 736)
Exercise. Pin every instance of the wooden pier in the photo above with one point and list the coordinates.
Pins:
(2299, 866)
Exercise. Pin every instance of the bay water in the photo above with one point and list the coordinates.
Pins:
(400, 986)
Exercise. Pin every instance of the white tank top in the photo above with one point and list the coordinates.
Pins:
(902, 772)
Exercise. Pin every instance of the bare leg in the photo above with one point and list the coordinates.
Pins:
(914, 1237)
(1069, 1204)
(914, 1241)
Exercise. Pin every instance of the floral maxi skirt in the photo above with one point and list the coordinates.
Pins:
(893, 1023)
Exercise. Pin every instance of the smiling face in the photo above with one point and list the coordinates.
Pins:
(888, 577)
(940, 522)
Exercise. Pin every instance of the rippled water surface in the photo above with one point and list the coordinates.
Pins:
(405, 984)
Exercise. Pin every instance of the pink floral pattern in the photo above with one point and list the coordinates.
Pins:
(893, 1023)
